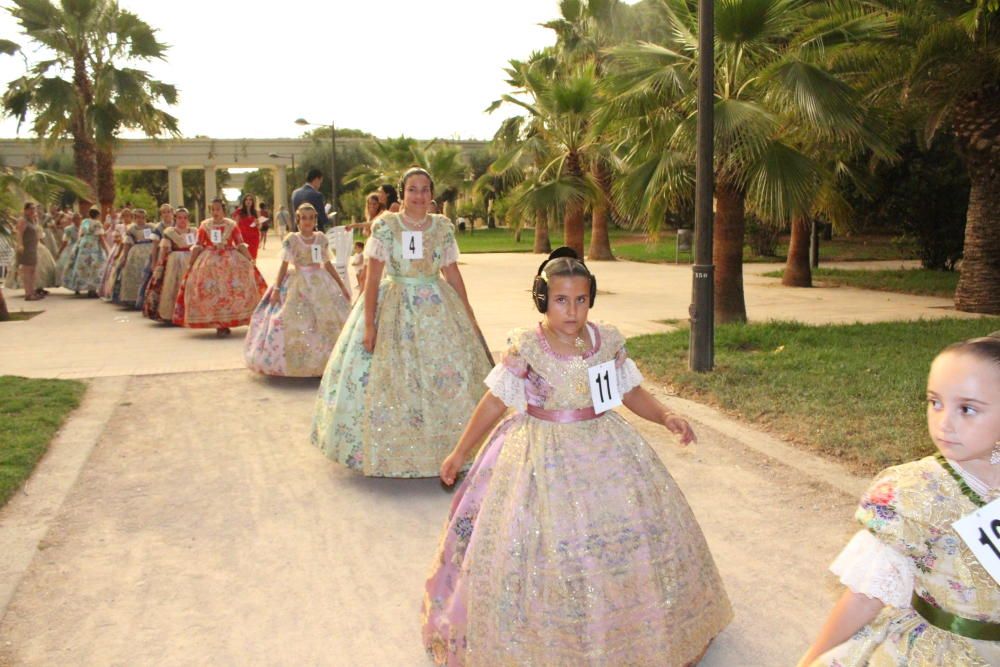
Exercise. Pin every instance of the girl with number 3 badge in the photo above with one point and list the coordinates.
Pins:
(923, 574)
(404, 374)
(568, 542)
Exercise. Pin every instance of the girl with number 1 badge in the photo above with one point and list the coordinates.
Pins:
(568, 542)
(922, 574)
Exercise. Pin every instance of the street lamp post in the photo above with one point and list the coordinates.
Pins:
(333, 158)
(701, 355)
(292, 156)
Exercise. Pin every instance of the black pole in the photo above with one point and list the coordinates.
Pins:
(333, 168)
(701, 356)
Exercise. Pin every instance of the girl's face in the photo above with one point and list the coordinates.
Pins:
(307, 221)
(217, 211)
(374, 206)
(568, 304)
(167, 215)
(140, 218)
(248, 203)
(417, 193)
(126, 216)
(182, 220)
(963, 406)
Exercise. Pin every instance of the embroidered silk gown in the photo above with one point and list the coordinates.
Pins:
(174, 256)
(221, 287)
(71, 234)
(908, 550)
(397, 412)
(295, 336)
(138, 249)
(568, 543)
(83, 272)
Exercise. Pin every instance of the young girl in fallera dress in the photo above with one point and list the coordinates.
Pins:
(172, 259)
(297, 322)
(569, 543)
(83, 271)
(222, 285)
(404, 374)
(138, 247)
(917, 595)
(116, 233)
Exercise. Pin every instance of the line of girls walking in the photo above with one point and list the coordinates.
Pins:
(174, 272)
(568, 542)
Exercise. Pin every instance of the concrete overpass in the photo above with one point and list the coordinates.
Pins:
(175, 155)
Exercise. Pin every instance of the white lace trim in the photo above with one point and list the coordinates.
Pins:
(375, 249)
(629, 377)
(507, 387)
(873, 568)
(450, 253)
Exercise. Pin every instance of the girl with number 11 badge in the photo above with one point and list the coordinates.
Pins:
(922, 574)
(569, 543)
(405, 372)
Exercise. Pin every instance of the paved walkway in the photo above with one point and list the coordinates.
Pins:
(210, 532)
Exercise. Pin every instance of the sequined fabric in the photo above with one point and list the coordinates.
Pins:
(221, 287)
(399, 411)
(911, 508)
(295, 336)
(570, 544)
(83, 273)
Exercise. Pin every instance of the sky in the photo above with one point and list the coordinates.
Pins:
(389, 67)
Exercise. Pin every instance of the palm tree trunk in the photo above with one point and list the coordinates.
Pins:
(727, 255)
(573, 227)
(978, 288)
(600, 244)
(105, 179)
(798, 272)
(84, 164)
(542, 243)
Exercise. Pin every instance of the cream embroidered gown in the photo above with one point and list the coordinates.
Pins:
(569, 544)
(908, 546)
(399, 411)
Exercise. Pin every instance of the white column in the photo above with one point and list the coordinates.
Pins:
(280, 188)
(175, 186)
(211, 188)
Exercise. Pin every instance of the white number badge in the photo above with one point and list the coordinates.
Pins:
(189, 238)
(604, 386)
(215, 235)
(413, 245)
(981, 531)
(147, 234)
(317, 253)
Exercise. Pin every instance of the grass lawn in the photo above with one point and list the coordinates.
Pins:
(852, 392)
(908, 281)
(634, 246)
(31, 411)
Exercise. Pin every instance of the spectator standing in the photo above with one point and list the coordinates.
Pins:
(246, 218)
(309, 194)
(284, 220)
(27, 251)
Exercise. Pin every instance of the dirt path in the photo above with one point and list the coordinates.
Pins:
(213, 533)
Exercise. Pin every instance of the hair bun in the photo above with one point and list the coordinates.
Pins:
(561, 251)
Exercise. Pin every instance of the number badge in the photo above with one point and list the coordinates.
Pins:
(317, 254)
(189, 238)
(413, 245)
(604, 386)
(981, 532)
(215, 235)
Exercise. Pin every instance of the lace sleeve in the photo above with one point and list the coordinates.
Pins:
(376, 246)
(508, 387)
(629, 376)
(871, 567)
(450, 252)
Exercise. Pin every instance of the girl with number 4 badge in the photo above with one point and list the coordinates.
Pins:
(922, 575)
(297, 322)
(568, 542)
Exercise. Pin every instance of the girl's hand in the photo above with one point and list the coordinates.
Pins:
(451, 467)
(679, 427)
(369, 341)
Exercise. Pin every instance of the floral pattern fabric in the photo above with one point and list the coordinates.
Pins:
(911, 508)
(295, 336)
(83, 273)
(137, 252)
(569, 543)
(71, 235)
(397, 412)
(221, 287)
(174, 256)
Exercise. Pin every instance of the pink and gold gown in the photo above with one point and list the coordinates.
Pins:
(568, 543)
(294, 337)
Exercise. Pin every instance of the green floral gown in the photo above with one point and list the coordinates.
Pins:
(398, 411)
(907, 549)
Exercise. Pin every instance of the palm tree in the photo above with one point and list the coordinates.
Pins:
(83, 92)
(950, 75)
(775, 96)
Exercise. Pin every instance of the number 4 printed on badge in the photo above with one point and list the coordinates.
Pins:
(413, 245)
